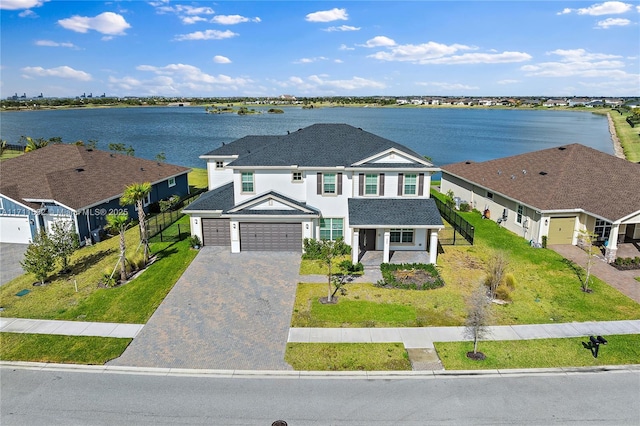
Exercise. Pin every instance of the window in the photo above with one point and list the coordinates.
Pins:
(371, 185)
(602, 229)
(490, 195)
(331, 228)
(147, 200)
(329, 183)
(519, 214)
(219, 164)
(296, 177)
(410, 184)
(172, 182)
(247, 181)
(401, 236)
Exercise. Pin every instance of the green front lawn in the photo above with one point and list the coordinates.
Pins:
(318, 267)
(347, 356)
(540, 353)
(60, 349)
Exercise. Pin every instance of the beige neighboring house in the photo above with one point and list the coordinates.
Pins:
(556, 193)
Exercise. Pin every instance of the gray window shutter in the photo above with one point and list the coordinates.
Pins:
(339, 179)
(400, 183)
(361, 184)
(421, 184)
(381, 191)
(319, 184)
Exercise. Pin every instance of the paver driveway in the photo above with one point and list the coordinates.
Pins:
(227, 311)
(10, 257)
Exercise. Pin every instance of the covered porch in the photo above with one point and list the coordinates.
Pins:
(390, 227)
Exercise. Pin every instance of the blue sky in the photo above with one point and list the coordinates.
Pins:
(320, 48)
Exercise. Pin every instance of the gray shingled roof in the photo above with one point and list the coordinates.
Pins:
(76, 176)
(319, 145)
(563, 178)
(274, 195)
(220, 198)
(394, 212)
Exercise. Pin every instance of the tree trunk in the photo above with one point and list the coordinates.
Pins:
(143, 230)
(329, 275)
(475, 344)
(123, 269)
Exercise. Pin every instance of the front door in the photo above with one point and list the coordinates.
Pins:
(367, 239)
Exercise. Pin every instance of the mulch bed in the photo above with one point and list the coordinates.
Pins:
(477, 356)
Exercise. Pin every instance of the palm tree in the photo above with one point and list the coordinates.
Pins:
(136, 194)
(33, 144)
(120, 222)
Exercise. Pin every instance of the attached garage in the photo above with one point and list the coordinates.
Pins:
(15, 229)
(271, 236)
(216, 232)
(561, 230)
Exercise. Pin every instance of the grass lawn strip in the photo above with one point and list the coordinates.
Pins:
(540, 353)
(60, 349)
(347, 356)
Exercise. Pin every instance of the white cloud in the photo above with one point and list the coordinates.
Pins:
(579, 63)
(61, 72)
(345, 47)
(613, 22)
(20, 4)
(379, 41)
(310, 60)
(342, 28)
(480, 58)
(51, 43)
(449, 86)
(28, 14)
(188, 20)
(218, 59)
(315, 84)
(190, 75)
(232, 19)
(418, 52)
(508, 81)
(180, 9)
(328, 15)
(206, 35)
(606, 8)
(106, 23)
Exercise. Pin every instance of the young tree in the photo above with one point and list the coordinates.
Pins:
(161, 157)
(40, 257)
(591, 252)
(65, 241)
(478, 317)
(496, 270)
(121, 148)
(329, 251)
(135, 194)
(120, 222)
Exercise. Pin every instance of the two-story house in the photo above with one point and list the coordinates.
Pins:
(324, 181)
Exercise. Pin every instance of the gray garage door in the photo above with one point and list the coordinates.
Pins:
(215, 232)
(271, 236)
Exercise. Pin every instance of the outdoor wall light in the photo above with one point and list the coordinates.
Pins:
(546, 222)
(306, 226)
(234, 226)
(195, 221)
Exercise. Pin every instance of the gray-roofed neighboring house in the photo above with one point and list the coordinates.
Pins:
(325, 181)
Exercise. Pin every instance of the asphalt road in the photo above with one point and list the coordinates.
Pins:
(32, 397)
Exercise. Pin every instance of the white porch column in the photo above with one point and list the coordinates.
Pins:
(387, 240)
(612, 245)
(433, 246)
(355, 246)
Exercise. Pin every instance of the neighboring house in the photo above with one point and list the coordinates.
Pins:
(73, 183)
(555, 193)
(324, 181)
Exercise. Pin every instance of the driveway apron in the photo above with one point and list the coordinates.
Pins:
(227, 311)
(10, 257)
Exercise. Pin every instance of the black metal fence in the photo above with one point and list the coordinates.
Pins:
(158, 223)
(460, 225)
(176, 233)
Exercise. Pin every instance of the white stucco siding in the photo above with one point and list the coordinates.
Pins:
(264, 181)
(218, 177)
(390, 184)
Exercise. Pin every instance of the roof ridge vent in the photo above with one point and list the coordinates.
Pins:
(562, 148)
(79, 169)
(543, 173)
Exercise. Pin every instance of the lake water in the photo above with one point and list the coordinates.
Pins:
(444, 134)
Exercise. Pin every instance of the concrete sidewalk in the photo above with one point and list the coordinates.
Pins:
(69, 328)
(423, 337)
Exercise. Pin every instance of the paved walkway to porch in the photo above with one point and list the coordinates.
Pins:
(623, 281)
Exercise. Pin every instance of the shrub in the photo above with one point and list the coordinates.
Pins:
(137, 262)
(351, 268)
(431, 281)
(510, 281)
(194, 241)
(503, 292)
(544, 241)
(465, 207)
(313, 248)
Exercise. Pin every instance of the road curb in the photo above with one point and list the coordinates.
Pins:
(278, 374)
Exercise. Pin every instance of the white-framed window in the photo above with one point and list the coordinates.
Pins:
(329, 183)
(172, 182)
(147, 200)
(331, 228)
(370, 184)
(219, 164)
(296, 177)
(247, 181)
(602, 229)
(410, 184)
(401, 235)
(519, 214)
